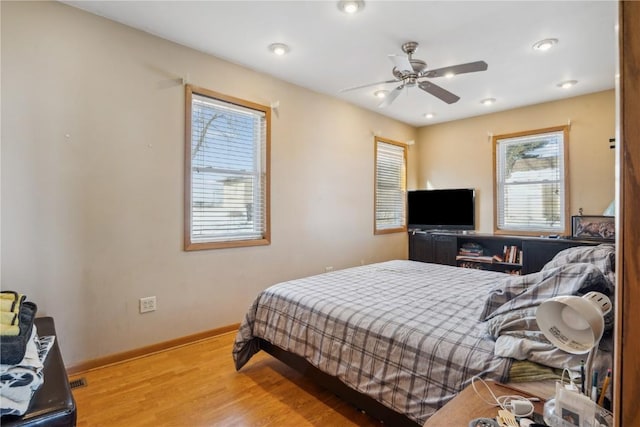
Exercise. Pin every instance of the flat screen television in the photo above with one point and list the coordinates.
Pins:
(450, 209)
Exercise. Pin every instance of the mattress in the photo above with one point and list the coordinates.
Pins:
(405, 333)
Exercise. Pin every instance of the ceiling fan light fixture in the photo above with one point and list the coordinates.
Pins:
(381, 93)
(449, 75)
(279, 49)
(567, 84)
(544, 45)
(488, 101)
(351, 6)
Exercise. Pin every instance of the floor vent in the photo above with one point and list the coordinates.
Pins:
(80, 382)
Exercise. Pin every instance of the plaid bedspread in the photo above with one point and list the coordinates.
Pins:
(405, 333)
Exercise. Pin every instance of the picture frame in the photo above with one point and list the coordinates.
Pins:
(593, 227)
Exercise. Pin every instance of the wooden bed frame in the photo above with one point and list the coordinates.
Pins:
(361, 401)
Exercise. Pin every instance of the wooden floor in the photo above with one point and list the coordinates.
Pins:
(197, 385)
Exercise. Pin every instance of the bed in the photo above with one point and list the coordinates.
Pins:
(405, 337)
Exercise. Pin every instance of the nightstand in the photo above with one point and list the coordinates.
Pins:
(467, 405)
(52, 404)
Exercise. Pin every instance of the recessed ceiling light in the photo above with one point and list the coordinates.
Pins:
(279, 48)
(567, 84)
(380, 93)
(545, 44)
(429, 115)
(488, 101)
(351, 6)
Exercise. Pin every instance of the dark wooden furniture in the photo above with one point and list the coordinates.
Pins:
(443, 248)
(467, 405)
(52, 404)
(421, 246)
(438, 248)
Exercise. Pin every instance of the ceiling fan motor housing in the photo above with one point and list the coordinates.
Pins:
(418, 65)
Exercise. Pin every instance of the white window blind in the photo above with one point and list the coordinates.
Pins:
(228, 194)
(390, 183)
(530, 171)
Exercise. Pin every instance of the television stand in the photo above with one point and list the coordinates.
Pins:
(531, 253)
(437, 230)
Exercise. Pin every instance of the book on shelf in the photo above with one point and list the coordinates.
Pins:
(478, 258)
(471, 246)
(512, 254)
(473, 265)
(471, 250)
(470, 253)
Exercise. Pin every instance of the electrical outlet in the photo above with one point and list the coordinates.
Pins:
(328, 268)
(147, 304)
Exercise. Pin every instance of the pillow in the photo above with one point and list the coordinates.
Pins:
(531, 290)
(601, 256)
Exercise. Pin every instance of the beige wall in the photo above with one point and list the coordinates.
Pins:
(459, 153)
(92, 191)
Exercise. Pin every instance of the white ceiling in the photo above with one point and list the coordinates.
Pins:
(331, 50)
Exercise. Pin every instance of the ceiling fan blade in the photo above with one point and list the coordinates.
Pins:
(469, 67)
(401, 62)
(439, 92)
(391, 97)
(367, 85)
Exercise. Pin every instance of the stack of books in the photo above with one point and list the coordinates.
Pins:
(470, 250)
(512, 254)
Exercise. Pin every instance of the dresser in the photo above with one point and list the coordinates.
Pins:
(52, 404)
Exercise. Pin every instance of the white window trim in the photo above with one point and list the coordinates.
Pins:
(565, 226)
(193, 244)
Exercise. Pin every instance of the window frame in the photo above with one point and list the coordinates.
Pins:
(403, 184)
(265, 239)
(565, 182)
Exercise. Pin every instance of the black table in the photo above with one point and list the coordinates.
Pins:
(52, 404)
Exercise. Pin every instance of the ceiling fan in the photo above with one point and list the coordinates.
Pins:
(408, 71)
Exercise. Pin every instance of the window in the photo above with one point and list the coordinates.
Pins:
(530, 173)
(390, 186)
(226, 171)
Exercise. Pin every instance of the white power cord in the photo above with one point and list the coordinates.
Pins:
(519, 406)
